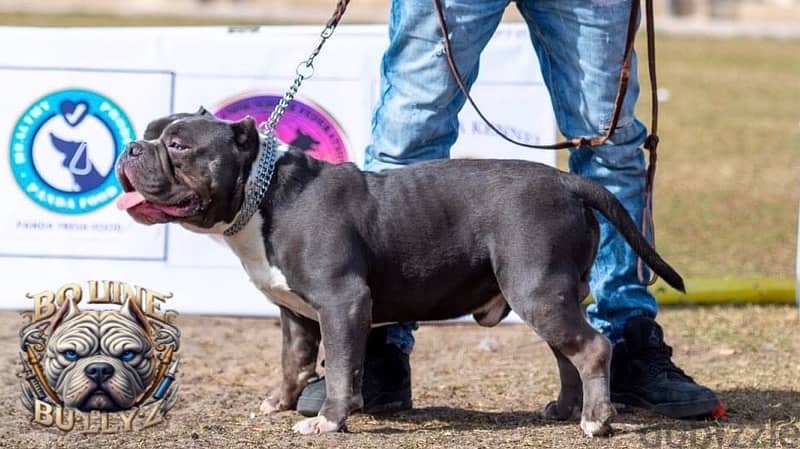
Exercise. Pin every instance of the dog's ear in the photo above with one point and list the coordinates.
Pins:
(68, 309)
(245, 133)
(156, 127)
(131, 310)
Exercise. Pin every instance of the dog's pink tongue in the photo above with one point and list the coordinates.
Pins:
(129, 199)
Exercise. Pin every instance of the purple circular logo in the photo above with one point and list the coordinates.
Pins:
(304, 126)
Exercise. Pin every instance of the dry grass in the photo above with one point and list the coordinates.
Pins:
(729, 180)
(464, 397)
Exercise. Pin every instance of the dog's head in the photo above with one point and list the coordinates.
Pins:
(99, 360)
(189, 168)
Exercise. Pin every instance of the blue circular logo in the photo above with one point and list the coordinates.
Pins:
(64, 147)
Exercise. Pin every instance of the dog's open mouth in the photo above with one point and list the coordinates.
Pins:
(153, 212)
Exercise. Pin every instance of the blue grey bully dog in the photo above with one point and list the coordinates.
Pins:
(341, 250)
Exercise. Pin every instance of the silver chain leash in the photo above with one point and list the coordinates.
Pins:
(304, 71)
(258, 183)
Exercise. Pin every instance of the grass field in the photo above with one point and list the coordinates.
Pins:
(728, 183)
(729, 179)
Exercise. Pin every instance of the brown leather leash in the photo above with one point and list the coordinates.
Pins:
(338, 13)
(651, 142)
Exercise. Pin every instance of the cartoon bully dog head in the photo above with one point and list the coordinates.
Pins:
(99, 359)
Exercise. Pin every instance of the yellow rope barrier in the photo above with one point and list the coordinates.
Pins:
(707, 291)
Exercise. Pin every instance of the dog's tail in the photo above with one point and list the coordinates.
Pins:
(598, 198)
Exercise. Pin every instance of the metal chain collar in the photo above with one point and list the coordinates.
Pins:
(258, 182)
(257, 185)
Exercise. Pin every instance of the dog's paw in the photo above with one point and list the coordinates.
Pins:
(317, 424)
(553, 412)
(597, 423)
(596, 428)
(273, 404)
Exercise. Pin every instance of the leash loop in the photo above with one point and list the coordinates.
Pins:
(327, 32)
(305, 70)
(651, 143)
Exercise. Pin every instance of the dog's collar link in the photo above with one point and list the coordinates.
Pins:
(257, 183)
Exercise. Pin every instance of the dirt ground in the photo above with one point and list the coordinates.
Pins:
(464, 396)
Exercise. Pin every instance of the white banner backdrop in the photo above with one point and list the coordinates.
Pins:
(72, 98)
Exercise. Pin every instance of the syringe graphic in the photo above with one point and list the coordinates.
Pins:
(36, 367)
(32, 380)
(166, 382)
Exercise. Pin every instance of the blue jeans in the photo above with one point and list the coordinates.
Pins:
(580, 46)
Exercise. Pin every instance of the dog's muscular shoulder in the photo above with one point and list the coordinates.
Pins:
(250, 246)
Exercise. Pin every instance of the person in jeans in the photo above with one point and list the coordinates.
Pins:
(580, 46)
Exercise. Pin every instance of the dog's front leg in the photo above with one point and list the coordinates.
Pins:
(345, 325)
(298, 359)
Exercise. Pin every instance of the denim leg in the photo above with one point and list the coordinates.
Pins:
(614, 282)
(402, 336)
(580, 46)
(416, 118)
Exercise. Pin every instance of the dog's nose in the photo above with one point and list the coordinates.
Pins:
(134, 149)
(99, 372)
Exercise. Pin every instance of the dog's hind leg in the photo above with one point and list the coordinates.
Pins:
(549, 302)
(590, 353)
(568, 405)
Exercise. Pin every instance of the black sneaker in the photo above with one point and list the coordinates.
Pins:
(643, 375)
(387, 380)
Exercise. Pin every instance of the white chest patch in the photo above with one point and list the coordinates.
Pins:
(248, 244)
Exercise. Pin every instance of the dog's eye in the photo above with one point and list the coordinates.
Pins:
(127, 356)
(71, 355)
(174, 145)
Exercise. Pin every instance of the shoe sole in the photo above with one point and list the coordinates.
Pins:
(389, 407)
(677, 410)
